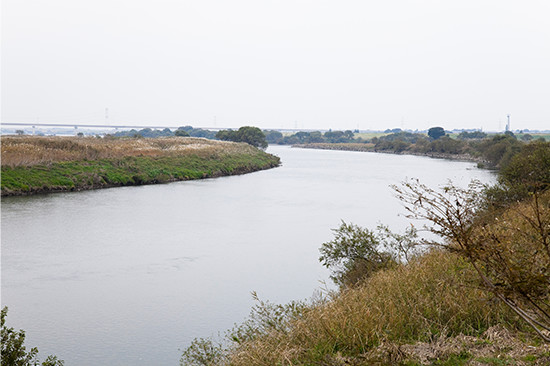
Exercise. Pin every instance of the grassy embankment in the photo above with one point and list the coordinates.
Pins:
(52, 164)
(435, 308)
(492, 151)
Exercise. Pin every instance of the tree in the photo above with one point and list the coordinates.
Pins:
(526, 137)
(509, 248)
(530, 167)
(356, 253)
(20, 132)
(273, 137)
(472, 135)
(181, 133)
(251, 135)
(14, 352)
(436, 132)
(227, 135)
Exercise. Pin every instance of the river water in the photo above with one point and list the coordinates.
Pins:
(129, 276)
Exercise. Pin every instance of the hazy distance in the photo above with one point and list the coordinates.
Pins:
(314, 64)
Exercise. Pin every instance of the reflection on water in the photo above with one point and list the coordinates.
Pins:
(131, 275)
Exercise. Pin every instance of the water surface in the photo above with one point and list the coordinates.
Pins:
(129, 276)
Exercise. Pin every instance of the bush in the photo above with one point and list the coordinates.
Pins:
(510, 249)
(422, 300)
(14, 352)
(356, 253)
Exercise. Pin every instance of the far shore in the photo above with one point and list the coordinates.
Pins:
(35, 165)
(360, 147)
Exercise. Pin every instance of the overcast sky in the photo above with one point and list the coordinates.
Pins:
(278, 64)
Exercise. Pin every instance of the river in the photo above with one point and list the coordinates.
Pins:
(129, 276)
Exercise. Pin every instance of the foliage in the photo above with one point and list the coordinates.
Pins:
(420, 301)
(33, 164)
(447, 145)
(403, 136)
(498, 150)
(198, 132)
(393, 130)
(202, 352)
(465, 135)
(526, 137)
(436, 132)
(166, 132)
(251, 135)
(273, 137)
(525, 172)
(304, 137)
(530, 167)
(509, 250)
(14, 352)
(181, 133)
(146, 132)
(356, 253)
(264, 319)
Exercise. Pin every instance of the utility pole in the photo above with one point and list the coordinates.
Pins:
(508, 123)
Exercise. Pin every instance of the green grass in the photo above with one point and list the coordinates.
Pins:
(79, 175)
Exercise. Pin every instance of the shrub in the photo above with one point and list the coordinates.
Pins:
(14, 352)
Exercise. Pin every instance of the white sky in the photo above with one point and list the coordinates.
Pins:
(278, 64)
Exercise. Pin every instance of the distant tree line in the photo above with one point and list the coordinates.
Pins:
(333, 137)
(184, 131)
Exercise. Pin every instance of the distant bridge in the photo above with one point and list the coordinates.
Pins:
(78, 125)
(116, 127)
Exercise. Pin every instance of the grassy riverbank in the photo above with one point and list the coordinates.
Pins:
(53, 164)
(369, 147)
(490, 151)
(477, 294)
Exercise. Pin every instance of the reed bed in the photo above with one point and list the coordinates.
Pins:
(38, 150)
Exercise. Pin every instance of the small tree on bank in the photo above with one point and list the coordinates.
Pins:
(356, 253)
(14, 352)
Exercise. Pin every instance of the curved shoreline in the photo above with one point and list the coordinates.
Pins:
(48, 165)
(101, 181)
(370, 148)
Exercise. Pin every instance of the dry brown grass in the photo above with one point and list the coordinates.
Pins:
(38, 150)
(427, 298)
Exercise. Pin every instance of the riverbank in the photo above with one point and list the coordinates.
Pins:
(32, 165)
(369, 147)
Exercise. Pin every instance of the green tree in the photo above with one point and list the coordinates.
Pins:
(14, 352)
(436, 132)
(181, 133)
(464, 135)
(251, 135)
(273, 137)
(227, 135)
(530, 167)
(356, 253)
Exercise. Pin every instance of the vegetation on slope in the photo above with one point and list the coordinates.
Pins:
(479, 295)
(49, 164)
(14, 351)
(493, 151)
